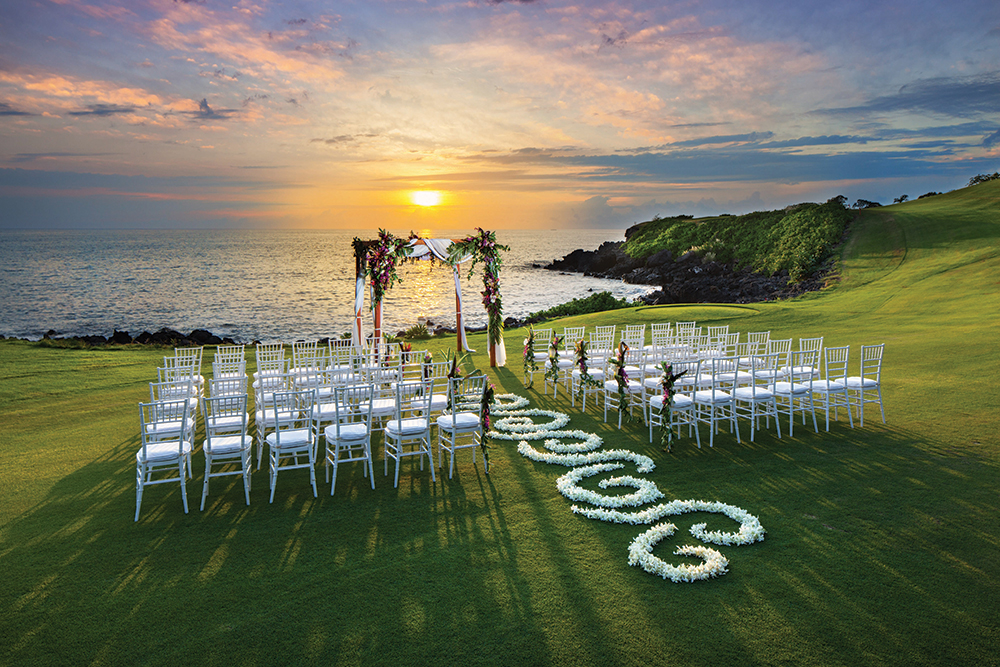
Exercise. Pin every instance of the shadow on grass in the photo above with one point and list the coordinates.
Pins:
(867, 558)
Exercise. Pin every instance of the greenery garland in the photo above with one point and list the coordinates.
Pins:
(530, 365)
(484, 420)
(621, 377)
(586, 380)
(483, 247)
(669, 379)
(552, 369)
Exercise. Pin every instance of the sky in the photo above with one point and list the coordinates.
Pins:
(201, 114)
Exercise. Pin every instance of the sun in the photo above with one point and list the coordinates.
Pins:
(426, 197)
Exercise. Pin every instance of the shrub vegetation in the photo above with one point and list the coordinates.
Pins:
(796, 240)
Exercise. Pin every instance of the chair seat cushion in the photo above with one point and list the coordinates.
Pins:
(166, 429)
(407, 426)
(463, 420)
(855, 382)
(754, 393)
(739, 377)
(164, 451)
(292, 438)
(227, 444)
(380, 407)
(787, 388)
(634, 387)
(769, 374)
(227, 423)
(797, 372)
(596, 373)
(562, 363)
(709, 396)
(827, 386)
(347, 432)
(681, 402)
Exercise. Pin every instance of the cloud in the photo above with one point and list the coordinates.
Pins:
(8, 110)
(961, 97)
(206, 112)
(104, 110)
(991, 140)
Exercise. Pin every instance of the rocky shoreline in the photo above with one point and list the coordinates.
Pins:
(689, 278)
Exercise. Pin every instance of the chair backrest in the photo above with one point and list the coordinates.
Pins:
(304, 352)
(871, 361)
(413, 399)
(634, 335)
(759, 337)
(684, 326)
(225, 415)
(352, 405)
(571, 335)
(229, 353)
(780, 347)
(728, 342)
(811, 344)
(764, 368)
(228, 369)
(748, 349)
(269, 354)
(835, 361)
(717, 332)
(179, 368)
(607, 330)
(466, 394)
(267, 385)
(163, 421)
(689, 379)
(436, 370)
(172, 390)
(542, 339)
(411, 365)
(292, 410)
(799, 368)
(194, 354)
(721, 371)
(661, 334)
(339, 351)
(227, 386)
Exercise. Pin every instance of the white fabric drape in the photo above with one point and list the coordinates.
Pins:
(358, 334)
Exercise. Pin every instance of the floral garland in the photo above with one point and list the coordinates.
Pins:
(640, 552)
(426, 365)
(484, 419)
(528, 355)
(552, 366)
(483, 247)
(380, 261)
(669, 379)
(586, 380)
(621, 377)
(584, 456)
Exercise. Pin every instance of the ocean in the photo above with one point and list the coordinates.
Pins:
(258, 285)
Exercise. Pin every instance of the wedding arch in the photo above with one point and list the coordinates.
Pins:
(377, 260)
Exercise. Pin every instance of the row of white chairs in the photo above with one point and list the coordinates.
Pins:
(294, 409)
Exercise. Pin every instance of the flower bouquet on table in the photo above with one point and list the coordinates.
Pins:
(586, 380)
(669, 380)
(552, 370)
(530, 366)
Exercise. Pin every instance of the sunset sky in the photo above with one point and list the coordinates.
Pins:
(306, 114)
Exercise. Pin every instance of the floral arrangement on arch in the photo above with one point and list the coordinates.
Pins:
(528, 355)
(669, 380)
(379, 261)
(483, 247)
(552, 369)
(586, 380)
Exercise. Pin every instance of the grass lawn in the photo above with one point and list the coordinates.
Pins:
(882, 547)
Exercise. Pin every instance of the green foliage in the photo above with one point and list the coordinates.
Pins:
(417, 332)
(594, 303)
(796, 240)
(983, 178)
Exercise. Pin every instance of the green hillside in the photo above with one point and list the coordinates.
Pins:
(881, 543)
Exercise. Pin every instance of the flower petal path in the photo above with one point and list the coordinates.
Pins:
(515, 421)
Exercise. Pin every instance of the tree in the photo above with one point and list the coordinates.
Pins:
(864, 203)
(900, 199)
(982, 178)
